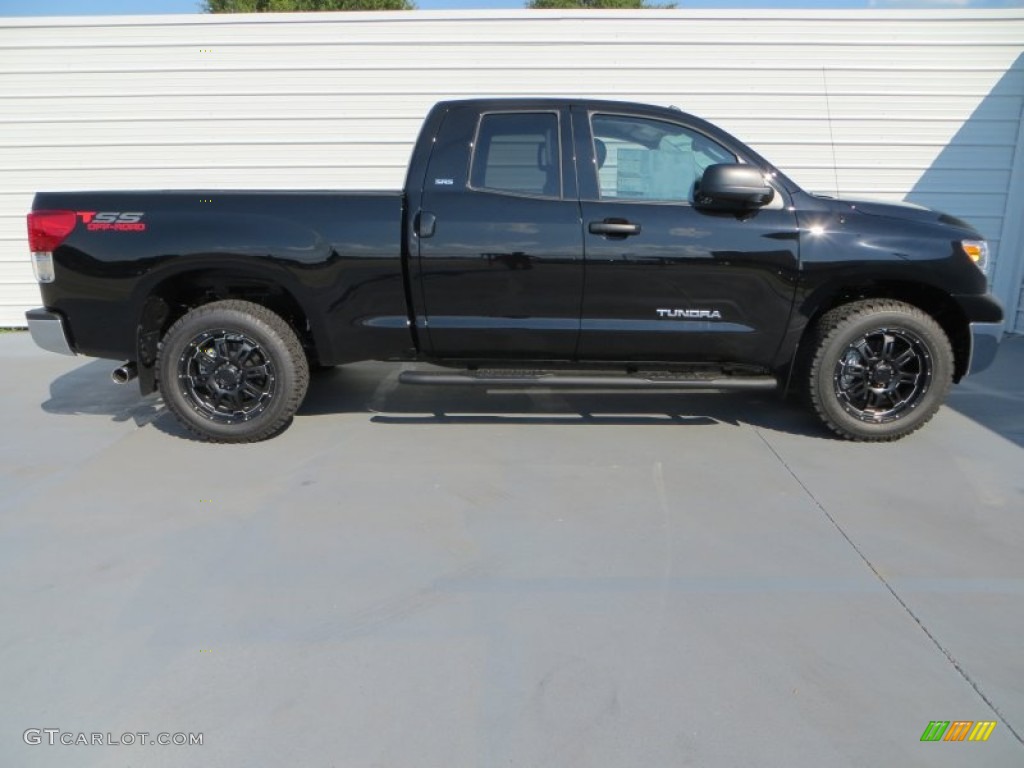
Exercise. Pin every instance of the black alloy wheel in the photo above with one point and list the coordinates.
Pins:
(232, 372)
(226, 376)
(883, 374)
(877, 369)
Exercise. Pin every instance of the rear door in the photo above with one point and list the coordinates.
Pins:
(666, 280)
(500, 249)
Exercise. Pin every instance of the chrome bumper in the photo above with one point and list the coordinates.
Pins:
(985, 338)
(48, 331)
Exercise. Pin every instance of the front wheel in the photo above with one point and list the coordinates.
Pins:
(232, 372)
(880, 369)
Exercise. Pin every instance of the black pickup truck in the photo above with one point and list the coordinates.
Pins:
(538, 242)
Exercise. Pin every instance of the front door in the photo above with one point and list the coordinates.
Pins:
(666, 280)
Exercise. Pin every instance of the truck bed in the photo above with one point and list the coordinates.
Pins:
(338, 255)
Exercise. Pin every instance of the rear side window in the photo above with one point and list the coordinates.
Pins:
(518, 153)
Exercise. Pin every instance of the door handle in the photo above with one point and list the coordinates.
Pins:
(426, 222)
(614, 228)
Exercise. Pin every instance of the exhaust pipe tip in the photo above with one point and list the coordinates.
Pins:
(125, 373)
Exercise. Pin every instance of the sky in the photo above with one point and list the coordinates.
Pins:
(125, 7)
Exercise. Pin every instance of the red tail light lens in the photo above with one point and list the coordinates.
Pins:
(47, 229)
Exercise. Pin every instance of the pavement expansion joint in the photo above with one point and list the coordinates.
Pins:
(892, 591)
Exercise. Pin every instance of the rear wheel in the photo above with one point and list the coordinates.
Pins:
(232, 372)
(880, 369)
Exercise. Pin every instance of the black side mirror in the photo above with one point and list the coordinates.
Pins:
(733, 185)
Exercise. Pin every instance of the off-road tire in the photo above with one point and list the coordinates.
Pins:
(878, 370)
(232, 372)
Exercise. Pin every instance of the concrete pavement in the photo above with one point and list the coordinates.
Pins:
(442, 577)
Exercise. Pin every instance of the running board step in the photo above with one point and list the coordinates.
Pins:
(577, 381)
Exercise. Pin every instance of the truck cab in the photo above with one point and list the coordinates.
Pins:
(575, 232)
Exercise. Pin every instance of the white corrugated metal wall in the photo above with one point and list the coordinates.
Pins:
(923, 106)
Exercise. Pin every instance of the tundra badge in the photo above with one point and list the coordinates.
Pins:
(691, 314)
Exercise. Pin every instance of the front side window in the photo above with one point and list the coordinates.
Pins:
(643, 159)
(518, 153)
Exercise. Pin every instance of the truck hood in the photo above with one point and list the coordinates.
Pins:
(904, 211)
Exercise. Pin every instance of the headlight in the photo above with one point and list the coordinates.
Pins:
(977, 250)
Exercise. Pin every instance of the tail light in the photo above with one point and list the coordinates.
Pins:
(47, 230)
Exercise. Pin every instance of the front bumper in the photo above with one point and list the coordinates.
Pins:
(987, 323)
(49, 331)
(985, 338)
